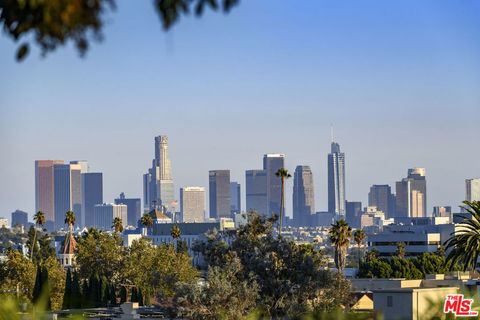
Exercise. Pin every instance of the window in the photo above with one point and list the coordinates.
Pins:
(389, 301)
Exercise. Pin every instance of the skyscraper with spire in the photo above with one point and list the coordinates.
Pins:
(336, 180)
(158, 188)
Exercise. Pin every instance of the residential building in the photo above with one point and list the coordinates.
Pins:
(92, 194)
(353, 213)
(303, 196)
(235, 197)
(133, 208)
(256, 191)
(192, 204)
(219, 193)
(336, 181)
(381, 196)
(272, 162)
(44, 190)
(19, 218)
(105, 214)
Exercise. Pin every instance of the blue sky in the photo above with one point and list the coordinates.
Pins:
(399, 80)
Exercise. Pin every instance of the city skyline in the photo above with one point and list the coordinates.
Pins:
(234, 87)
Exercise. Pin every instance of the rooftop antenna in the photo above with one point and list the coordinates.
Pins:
(331, 131)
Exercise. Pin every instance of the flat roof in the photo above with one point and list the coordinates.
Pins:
(403, 290)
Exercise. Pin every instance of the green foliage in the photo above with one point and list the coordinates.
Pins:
(117, 224)
(70, 218)
(226, 288)
(17, 273)
(291, 278)
(146, 220)
(123, 294)
(400, 252)
(409, 268)
(102, 253)
(464, 244)
(53, 23)
(68, 296)
(283, 174)
(340, 235)
(175, 232)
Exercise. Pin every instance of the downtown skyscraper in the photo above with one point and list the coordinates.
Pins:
(411, 194)
(44, 190)
(472, 189)
(158, 188)
(303, 196)
(219, 193)
(336, 180)
(381, 196)
(271, 163)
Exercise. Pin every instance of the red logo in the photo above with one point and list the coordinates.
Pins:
(459, 306)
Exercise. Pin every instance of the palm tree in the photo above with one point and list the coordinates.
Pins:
(70, 219)
(464, 245)
(117, 224)
(359, 237)
(340, 235)
(175, 232)
(146, 220)
(283, 174)
(39, 219)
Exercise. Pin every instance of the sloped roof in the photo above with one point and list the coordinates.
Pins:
(69, 245)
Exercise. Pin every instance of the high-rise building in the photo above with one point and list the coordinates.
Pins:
(256, 191)
(381, 196)
(44, 190)
(20, 218)
(92, 194)
(76, 170)
(105, 214)
(271, 163)
(65, 190)
(158, 181)
(303, 196)
(353, 213)
(411, 194)
(192, 204)
(419, 184)
(235, 197)
(133, 208)
(219, 193)
(336, 180)
(472, 189)
(442, 211)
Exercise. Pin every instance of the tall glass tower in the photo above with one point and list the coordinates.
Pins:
(336, 181)
(303, 196)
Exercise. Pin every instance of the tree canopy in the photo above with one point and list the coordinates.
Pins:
(53, 23)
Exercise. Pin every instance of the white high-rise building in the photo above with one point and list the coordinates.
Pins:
(472, 189)
(158, 182)
(106, 212)
(192, 204)
(336, 181)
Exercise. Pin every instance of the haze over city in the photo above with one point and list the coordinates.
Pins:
(398, 81)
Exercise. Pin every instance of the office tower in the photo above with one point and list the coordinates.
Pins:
(411, 194)
(381, 196)
(92, 194)
(303, 196)
(20, 218)
(219, 193)
(235, 197)
(442, 211)
(192, 204)
(271, 163)
(105, 214)
(133, 208)
(336, 180)
(472, 189)
(44, 190)
(76, 170)
(353, 213)
(419, 184)
(67, 181)
(256, 191)
(158, 181)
